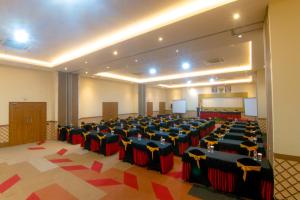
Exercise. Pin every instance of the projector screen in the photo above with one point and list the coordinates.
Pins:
(250, 105)
(179, 106)
(223, 102)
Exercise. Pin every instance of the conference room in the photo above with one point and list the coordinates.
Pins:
(173, 99)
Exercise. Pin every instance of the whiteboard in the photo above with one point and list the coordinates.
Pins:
(250, 106)
(179, 106)
(223, 102)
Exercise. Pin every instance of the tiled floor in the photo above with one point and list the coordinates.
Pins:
(57, 170)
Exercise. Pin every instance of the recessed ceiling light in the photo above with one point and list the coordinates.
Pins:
(240, 36)
(21, 36)
(66, 68)
(211, 80)
(107, 67)
(86, 72)
(236, 16)
(160, 39)
(189, 82)
(115, 53)
(152, 71)
(136, 60)
(185, 65)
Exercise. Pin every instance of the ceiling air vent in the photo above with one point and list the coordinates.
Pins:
(214, 61)
(14, 45)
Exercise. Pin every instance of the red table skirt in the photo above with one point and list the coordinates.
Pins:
(206, 131)
(182, 147)
(110, 148)
(195, 141)
(166, 163)
(121, 153)
(76, 139)
(186, 171)
(95, 145)
(221, 181)
(267, 189)
(222, 115)
(67, 136)
(140, 157)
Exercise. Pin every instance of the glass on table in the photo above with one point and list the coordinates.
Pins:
(255, 155)
(259, 156)
(208, 148)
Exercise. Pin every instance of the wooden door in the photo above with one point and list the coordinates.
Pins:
(109, 110)
(27, 122)
(149, 108)
(162, 108)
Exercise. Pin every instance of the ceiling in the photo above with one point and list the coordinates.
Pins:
(58, 26)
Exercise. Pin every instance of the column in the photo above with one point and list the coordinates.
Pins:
(67, 98)
(142, 99)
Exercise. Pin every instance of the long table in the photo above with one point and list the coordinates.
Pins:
(136, 151)
(180, 142)
(106, 144)
(220, 114)
(232, 146)
(220, 170)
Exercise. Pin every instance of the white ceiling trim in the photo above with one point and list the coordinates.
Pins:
(176, 76)
(166, 17)
(202, 84)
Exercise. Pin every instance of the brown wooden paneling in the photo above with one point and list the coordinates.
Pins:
(149, 108)
(162, 108)
(109, 110)
(27, 122)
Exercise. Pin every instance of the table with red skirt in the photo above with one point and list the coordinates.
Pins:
(232, 146)
(137, 151)
(106, 144)
(192, 133)
(221, 171)
(131, 132)
(180, 142)
(220, 114)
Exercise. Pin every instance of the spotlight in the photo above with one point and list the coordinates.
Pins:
(152, 71)
(236, 16)
(21, 36)
(185, 65)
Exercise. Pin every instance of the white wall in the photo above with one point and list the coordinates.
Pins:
(284, 32)
(21, 85)
(156, 95)
(92, 92)
(191, 94)
(261, 94)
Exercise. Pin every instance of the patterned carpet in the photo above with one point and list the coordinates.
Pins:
(57, 170)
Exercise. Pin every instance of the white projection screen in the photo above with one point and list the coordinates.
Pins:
(250, 107)
(222, 102)
(179, 106)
